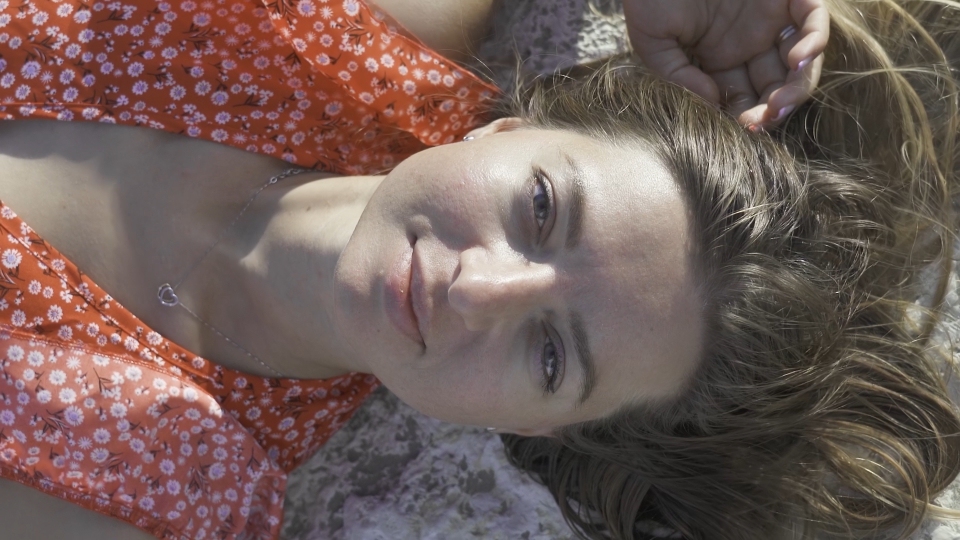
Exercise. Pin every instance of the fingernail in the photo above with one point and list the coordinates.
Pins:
(756, 128)
(784, 112)
(803, 63)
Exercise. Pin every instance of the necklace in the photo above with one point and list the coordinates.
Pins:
(167, 294)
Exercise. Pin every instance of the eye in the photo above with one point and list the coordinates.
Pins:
(551, 364)
(542, 200)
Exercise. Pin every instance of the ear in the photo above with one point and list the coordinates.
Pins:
(509, 123)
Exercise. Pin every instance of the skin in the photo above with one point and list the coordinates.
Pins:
(109, 217)
(492, 286)
(322, 246)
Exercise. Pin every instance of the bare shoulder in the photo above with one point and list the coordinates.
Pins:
(28, 513)
(452, 27)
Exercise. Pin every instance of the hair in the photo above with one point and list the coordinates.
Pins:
(820, 407)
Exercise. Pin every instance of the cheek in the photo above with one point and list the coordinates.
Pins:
(468, 387)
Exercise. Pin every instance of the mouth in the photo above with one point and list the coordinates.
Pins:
(403, 288)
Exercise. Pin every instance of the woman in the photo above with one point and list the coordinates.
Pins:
(392, 276)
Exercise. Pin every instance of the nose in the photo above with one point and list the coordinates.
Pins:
(491, 288)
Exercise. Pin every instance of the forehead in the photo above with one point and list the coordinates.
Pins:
(631, 277)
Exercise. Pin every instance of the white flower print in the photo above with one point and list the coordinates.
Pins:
(11, 258)
(54, 313)
(19, 318)
(137, 445)
(7, 417)
(14, 353)
(28, 375)
(101, 436)
(57, 377)
(99, 455)
(48, 292)
(65, 333)
(44, 396)
(35, 358)
(68, 395)
(167, 467)
(118, 410)
(100, 360)
(84, 443)
(186, 450)
(351, 7)
(30, 70)
(73, 362)
(217, 470)
(190, 394)
(219, 98)
(173, 487)
(133, 373)
(73, 416)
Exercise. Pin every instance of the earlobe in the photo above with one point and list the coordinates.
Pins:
(509, 123)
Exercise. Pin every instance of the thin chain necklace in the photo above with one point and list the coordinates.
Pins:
(167, 294)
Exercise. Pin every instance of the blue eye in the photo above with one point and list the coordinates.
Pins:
(542, 200)
(551, 363)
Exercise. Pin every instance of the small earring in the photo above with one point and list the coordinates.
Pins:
(468, 138)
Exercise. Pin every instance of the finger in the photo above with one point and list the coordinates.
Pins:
(762, 116)
(665, 58)
(766, 71)
(736, 90)
(813, 21)
(798, 87)
(767, 74)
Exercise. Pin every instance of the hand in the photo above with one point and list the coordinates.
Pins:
(742, 63)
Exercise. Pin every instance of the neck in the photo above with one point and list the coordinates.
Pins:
(273, 277)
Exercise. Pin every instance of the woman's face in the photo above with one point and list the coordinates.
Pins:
(526, 280)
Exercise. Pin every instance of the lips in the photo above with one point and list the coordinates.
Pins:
(402, 299)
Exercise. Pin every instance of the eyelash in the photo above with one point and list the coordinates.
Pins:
(541, 188)
(550, 380)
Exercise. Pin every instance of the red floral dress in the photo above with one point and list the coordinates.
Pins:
(95, 407)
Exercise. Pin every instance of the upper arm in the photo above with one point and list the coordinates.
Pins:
(453, 28)
(28, 513)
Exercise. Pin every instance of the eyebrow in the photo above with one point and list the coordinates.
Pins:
(575, 223)
(588, 369)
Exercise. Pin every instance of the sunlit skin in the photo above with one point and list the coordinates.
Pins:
(303, 280)
(494, 284)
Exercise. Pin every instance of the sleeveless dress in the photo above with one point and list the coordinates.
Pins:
(95, 407)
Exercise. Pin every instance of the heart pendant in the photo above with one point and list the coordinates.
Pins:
(167, 296)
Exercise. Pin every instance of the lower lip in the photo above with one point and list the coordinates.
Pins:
(397, 302)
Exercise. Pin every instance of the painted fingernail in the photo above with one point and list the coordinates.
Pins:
(784, 112)
(756, 128)
(803, 63)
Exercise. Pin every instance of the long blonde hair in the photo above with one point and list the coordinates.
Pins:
(819, 408)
